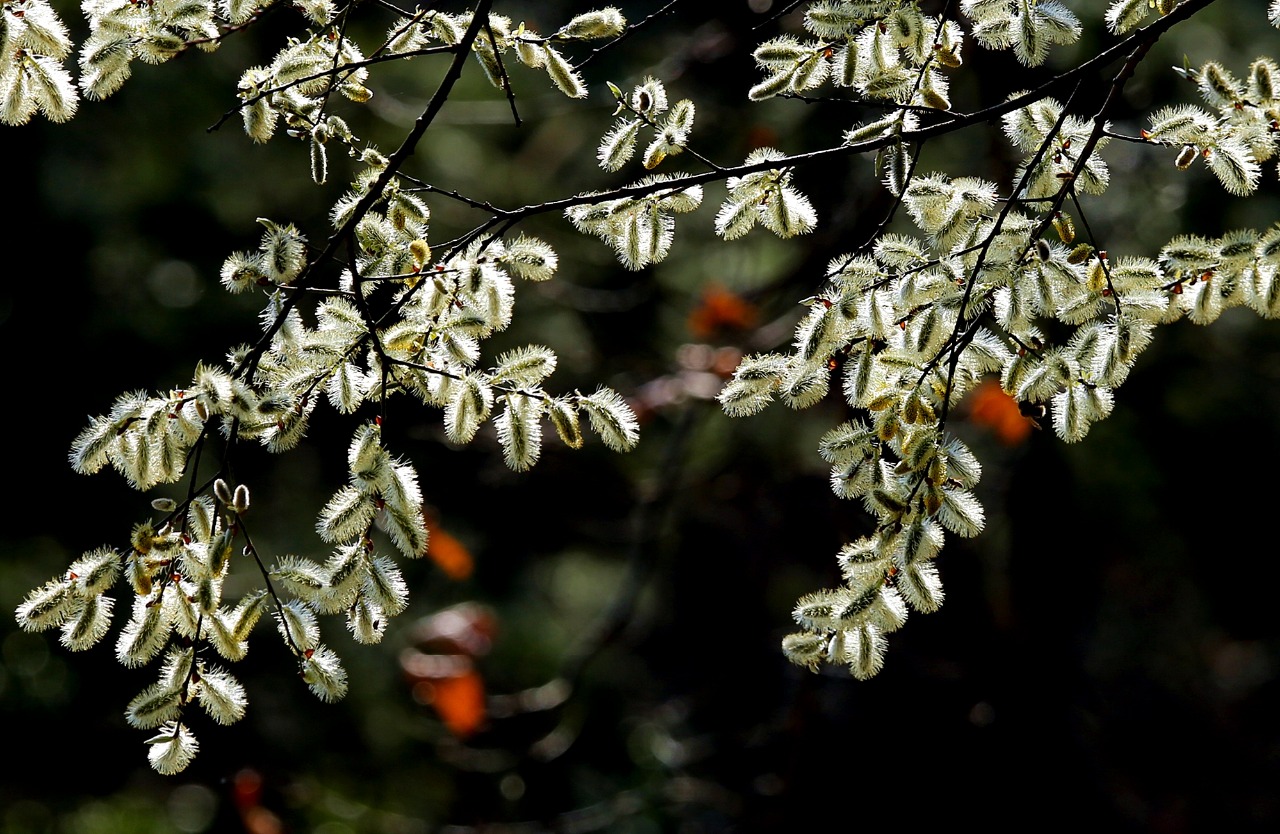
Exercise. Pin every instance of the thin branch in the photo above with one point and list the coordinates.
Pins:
(626, 33)
(950, 125)
(252, 550)
(1101, 253)
(878, 105)
(345, 68)
(375, 192)
(502, 72)
(779, 14)
(966, 330)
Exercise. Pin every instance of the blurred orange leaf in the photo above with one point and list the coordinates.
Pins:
(990, 406)
(458, 699)
(442, 671)
(447, 552)
(720, 310)
(247, 791)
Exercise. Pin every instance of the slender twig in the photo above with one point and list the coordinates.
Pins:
(626, 33)
(779, 14)
(1093, 240)
(344, 68)
(502, 71)
(337, 56)
(869, 103)
(942, 128)
(644, 117)
(376, 190)
(966, 330)
(957, 345)
(252, 550)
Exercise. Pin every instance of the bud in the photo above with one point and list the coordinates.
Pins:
(604, 23)
(936, 100)
(1186, 156)
(1065, 227)
(1097, 278)
(421, 252)
(946, 57)
(240, 501)
(143, 538)
(837, 649)
(222, 491)
(139, 577)
(1080, 254)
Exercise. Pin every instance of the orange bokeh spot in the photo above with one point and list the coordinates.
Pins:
(449, 554)
(990, 406)
(720, 311)
(459, 701)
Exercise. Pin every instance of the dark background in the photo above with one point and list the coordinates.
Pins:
(1108, 652)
